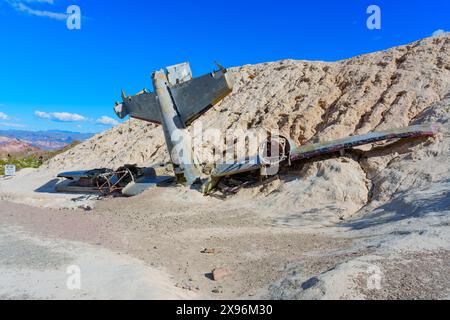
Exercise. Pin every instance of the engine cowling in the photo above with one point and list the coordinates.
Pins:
(273, 152)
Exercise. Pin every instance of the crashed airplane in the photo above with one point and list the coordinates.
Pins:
(178, 99)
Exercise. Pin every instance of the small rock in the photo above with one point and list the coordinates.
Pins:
(220, 273)
(185, 286)
(209, 251)
(217, 290)
(85, 207)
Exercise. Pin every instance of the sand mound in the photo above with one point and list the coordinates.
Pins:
(317, 101)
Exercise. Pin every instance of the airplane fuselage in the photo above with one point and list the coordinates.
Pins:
(175, 132)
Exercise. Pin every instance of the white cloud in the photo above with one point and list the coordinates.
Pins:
(3, 116)
(60, 116)
(42, 115)
(438, 32)
(37, 1)
(19, 5)
(107, 121)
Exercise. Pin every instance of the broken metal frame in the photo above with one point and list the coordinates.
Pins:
(109, 187)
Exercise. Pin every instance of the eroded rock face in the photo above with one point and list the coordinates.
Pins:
(318, 101)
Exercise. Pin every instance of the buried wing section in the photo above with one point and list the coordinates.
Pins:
(318, 149)
(294, 153)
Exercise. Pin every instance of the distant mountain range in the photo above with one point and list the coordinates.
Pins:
(51, 140)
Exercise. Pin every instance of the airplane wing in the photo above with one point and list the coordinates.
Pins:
(318, 149)
(225, 170)
(194, 97)
(191, 97)
(143, 106)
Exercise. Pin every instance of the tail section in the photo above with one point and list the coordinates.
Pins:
(178, 100)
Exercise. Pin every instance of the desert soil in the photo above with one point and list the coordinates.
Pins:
(172, 236)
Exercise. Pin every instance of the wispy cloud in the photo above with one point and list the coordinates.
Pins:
(3, 116)
(60, 116)
(12, 125)
(107, 121)
(23, 6)
(438, 32)
(38, 1)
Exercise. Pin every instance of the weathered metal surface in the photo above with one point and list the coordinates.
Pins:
(175, 133)
(103, 181)
(319, 149)
(179, 73)
(197, 96)
(69, 186)
(87, 174)
(144, 183)
(143, 106)
(224, 170)
(177, 101)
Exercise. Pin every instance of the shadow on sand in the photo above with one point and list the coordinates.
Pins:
(49, 187)
(406, 206)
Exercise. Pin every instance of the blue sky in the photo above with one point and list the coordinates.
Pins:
(56, 78)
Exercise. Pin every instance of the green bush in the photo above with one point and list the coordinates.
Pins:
(33, 161)
(27, 162)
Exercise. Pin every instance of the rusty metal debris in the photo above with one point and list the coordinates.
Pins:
(114, 182)
(128, 180)
(289, 152)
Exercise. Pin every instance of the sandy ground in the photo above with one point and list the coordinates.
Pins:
(168, 237)
(37, 188)
(381, 256)
(33, 267)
